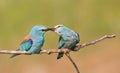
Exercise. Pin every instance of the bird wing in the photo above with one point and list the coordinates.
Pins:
(78, 37)
(26, 43)
(25, 39)
(60, 45)
(61, 42)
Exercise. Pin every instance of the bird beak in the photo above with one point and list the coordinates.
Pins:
(52, 29)
(47, 29)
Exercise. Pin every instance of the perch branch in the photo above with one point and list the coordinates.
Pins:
(93, 42)
(66, 51)
(60, 50)
(71, 60)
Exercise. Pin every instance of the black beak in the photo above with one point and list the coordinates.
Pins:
(52, 29)
(47, 29)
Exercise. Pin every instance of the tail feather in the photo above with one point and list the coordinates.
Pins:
(60, 55)
(14, 55)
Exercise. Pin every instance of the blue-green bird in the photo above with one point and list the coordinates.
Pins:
(68, 38)
(33, 42)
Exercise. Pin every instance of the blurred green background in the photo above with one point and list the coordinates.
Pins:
(90, 18)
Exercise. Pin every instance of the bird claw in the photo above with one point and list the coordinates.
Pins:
(66, 50)
(49, 52)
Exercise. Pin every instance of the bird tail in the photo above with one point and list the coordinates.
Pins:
(14, 55)
(60, 55)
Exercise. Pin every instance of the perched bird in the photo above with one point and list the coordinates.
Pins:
(68, 38)
(33, 42)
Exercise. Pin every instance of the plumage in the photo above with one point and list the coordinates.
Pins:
(33, 42)
(25, 39)
(68, 38)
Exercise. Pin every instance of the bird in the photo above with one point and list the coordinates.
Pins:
(33, 42)
(68, 38)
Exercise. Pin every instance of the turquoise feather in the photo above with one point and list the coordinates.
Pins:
(68, 38)
(34, 41)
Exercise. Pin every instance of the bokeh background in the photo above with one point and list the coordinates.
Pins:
(90, 18)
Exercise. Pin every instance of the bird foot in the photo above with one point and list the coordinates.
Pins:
(48, 52)
(66, 50)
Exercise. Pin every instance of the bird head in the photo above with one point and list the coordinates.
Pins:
(60, 29)
(38, 30)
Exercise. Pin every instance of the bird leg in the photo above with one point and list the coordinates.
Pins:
(49, 52)
(66, 50)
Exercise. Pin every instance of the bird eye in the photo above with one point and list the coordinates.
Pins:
(58, 26)
(59, 32)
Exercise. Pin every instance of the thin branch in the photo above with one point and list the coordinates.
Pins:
(25, 52)
(60, 50)
(71, 60)
(66, 51)
(93, 42)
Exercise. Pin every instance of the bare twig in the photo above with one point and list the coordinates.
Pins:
(59, 50)
(93, 42)
(70, 58)
(62, 50)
